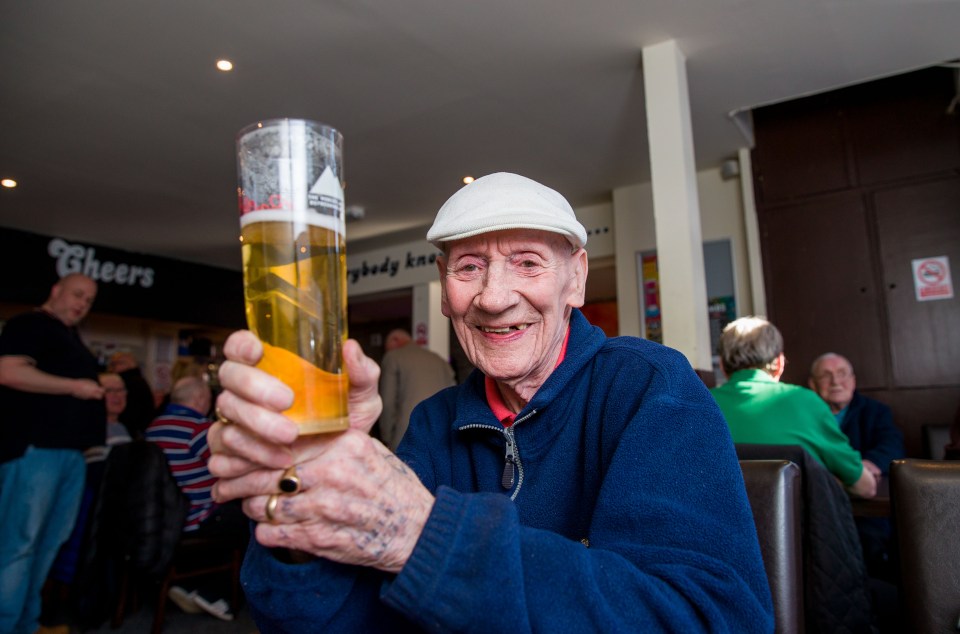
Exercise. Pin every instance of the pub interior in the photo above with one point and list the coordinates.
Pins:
(824, 225)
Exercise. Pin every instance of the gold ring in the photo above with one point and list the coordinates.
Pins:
(220, 417)
(289, 482)
(272, 506)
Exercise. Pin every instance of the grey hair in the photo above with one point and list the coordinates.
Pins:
(749, 343)
(824, 357)
(187, 389)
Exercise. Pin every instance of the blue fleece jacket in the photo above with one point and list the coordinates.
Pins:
(627, 513)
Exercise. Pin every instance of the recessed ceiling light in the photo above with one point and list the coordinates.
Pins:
(225, 65)
(9, 183)
(467, 180)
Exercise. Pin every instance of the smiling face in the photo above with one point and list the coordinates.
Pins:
(509, 295)
(834, 381)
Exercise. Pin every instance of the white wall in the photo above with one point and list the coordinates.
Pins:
(721, 214)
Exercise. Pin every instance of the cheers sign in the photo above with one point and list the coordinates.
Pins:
(76, 258)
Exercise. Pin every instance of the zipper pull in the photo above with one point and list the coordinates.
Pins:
(506, 480)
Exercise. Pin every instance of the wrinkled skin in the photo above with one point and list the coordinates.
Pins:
(358, 504)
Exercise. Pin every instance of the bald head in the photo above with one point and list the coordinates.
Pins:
(71, 298)
(192, 392)
(397, 338)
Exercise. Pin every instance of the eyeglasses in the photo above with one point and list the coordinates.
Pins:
(115, 390)
(839, 375)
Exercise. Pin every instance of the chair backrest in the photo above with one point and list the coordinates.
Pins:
(146, 508)
(935, 440)
(925, 498)
(836, 594)
(773, 488)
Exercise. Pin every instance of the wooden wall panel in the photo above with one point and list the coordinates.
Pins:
(851, 186)
(821, 287)
(920, 221)
(804, 150)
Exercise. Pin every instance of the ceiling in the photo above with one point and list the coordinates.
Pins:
(121, 131)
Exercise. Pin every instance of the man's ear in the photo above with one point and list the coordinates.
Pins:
(578, 290)
(778, 365)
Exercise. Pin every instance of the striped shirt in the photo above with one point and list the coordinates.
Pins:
(182, 434)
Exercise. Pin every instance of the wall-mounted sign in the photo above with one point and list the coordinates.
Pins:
(931, 278)
(129, 284)
(78, 258)
(395, 267)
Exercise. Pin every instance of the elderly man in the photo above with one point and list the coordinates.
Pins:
(759, 409)
(52, 412)
(867, 423)
(572, 483)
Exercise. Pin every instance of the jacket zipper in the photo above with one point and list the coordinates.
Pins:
(512, 466)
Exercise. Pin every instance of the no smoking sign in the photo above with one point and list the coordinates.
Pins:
(931, 278)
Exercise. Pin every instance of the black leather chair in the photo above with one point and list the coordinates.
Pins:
(925, 499)
(773, 488)
(836, 592)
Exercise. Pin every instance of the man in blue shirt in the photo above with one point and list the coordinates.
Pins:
(572, 483)
(869, 426)
(866, 422)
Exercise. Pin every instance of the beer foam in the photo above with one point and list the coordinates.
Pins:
(303, 217)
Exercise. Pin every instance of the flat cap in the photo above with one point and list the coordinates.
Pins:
(505, 201)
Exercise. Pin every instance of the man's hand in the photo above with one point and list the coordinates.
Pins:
(866, 486)
(358, 503)
(21, 373)
(86, 389)
(873, 469)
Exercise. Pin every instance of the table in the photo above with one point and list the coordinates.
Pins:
(878, 506)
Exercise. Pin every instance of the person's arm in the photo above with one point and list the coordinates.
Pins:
(20, 373)
(866, 484)
(671, 537)
(670, 545)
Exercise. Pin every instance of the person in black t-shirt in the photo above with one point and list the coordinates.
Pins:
(52, 410)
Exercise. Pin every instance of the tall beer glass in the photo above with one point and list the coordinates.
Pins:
(294, 262)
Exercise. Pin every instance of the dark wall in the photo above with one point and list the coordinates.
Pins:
(851, 187)
(129, 284)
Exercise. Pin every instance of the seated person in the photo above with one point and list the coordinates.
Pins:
(867, 423)
(115, 400)
(760, 409)
(181, 431)
(571, 483)
(140, 408)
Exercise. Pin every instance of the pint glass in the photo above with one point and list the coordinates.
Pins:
(294, 262)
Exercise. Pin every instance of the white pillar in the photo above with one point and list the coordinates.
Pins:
(754, 260)
(676, 207)
(430, 328)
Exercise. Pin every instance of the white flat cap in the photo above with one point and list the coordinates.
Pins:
(505, 201)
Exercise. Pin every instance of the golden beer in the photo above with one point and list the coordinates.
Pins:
(295, 290)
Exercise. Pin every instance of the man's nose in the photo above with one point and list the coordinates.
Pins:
(498, 291)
